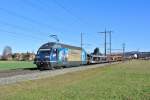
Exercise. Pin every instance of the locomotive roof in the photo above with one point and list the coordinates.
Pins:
(58, 45)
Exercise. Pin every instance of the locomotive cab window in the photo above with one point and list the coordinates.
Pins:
(44, 52)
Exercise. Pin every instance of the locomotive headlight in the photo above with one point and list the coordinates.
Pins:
(47, 56)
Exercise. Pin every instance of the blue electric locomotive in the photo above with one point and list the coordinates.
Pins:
(52, 55)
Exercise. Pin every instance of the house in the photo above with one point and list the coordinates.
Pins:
(24, 56)
(30, 56)
(18, 56)
(7, 57)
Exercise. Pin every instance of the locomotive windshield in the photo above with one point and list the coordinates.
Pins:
(44, 52)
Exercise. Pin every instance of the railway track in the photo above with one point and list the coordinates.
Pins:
(18, 75)
(14, 72)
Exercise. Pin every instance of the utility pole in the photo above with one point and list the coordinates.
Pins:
(105, 41)
(110, 41)
(123, 48)
(81, 40)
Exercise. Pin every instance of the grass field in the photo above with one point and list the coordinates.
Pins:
(4, 65)
(126, 81)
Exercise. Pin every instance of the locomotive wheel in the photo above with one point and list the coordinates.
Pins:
(49, 67)
(38, 66)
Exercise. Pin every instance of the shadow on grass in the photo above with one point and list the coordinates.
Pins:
(30, 68)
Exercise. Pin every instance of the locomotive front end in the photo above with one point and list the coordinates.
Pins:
(42, 59)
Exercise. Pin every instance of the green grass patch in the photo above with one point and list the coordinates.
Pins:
(4, 65)
(125, 81)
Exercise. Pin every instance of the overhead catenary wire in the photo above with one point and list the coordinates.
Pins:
(22, 34)
(38, 22)
(33, 5)
(30, 19)
(21, 28)
(14, 26)
(13, 37)
(41, 8)
(22, 17)
(69, 12)
(26, 18)
(45, 6)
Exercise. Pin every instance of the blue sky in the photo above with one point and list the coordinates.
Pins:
(26, 24)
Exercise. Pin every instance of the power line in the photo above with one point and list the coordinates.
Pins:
(115, 49)
(20, 16)
(39, 7)
(29, 2)
(68, 11)
(58, 4)
(12, 25)
(14, 36)
(16, 26)
(25, 18)
(83, 44)
(25, 35)
(20, 28)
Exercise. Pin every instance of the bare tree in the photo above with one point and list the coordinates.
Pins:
(7, 53)
(96, 51)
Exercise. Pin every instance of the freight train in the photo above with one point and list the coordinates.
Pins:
(57, 55)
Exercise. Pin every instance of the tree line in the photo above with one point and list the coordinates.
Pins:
(8, 55)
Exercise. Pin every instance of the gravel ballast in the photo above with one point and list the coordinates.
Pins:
(44, 74)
